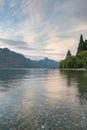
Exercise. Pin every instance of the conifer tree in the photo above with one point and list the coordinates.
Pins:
(68, 53)
(81, 44)
(85, 45)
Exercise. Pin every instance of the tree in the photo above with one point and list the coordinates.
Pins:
(81, 44)
(85, 45)
(68, 53)
(78, 61)
(69, 62)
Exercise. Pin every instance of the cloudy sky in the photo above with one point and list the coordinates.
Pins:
(42, 28)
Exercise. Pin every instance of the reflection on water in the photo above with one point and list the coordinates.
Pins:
(32, 99)
(79, 78)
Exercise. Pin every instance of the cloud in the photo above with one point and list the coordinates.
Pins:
(18, 45)
(12, 3)
(13, 43)
(33, 9)
(1, 3)
(62, 5)
(78, 28)
(42, 27)
(80, 10)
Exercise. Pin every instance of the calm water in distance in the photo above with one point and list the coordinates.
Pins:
(43, 99)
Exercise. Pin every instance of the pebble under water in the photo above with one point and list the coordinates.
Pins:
(43, 99)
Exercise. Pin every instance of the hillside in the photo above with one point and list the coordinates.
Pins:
(46, 63)
(11, 59)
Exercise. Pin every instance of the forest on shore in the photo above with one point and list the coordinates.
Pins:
(76, 61)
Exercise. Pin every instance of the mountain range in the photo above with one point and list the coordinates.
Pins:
(46, 63)
(11, 59)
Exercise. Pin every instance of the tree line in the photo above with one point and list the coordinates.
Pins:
(79, 60)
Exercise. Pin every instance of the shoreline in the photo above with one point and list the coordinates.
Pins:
(79, 69)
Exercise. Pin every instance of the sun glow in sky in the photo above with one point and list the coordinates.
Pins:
(42, 28)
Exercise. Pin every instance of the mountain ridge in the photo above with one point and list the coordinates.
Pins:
(11, 59)
(47, 63)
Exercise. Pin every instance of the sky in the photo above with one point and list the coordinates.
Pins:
(42, 28)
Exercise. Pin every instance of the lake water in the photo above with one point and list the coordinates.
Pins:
(41, 99)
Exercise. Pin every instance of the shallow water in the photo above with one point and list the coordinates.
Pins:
(41, 99)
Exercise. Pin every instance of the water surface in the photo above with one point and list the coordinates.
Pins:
(41, 99)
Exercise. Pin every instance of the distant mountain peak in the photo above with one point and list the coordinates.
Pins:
(46, 58)
(5, 49)
(11, 59)
(46, 63)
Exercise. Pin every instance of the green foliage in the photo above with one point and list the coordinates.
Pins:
(78, 61)
(68, 53)
(82, 59)
(69, 62)
(82, 54)
(85, 45)
(82, 44)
